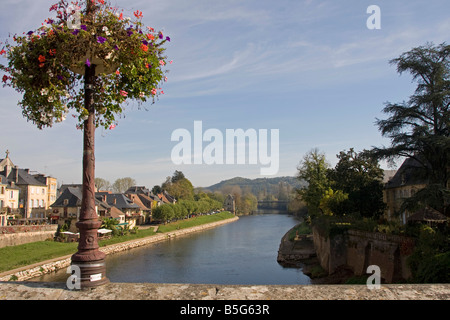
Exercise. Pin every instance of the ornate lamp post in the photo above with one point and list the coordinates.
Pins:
(89, 259)
(91, 69)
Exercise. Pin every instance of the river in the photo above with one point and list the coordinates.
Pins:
(242, 252)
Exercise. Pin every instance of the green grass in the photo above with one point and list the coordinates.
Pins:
(25, 254)
(22, 255)
(188, 223)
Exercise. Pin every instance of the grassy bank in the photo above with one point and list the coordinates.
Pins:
(26, 254)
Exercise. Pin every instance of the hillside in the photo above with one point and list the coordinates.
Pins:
(260, 187)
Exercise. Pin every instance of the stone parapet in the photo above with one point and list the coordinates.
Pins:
(161, 291)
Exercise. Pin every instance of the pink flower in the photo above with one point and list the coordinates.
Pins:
(161, 62)
(112, 126)
(117, 72)
(154, 91)
(123, 93)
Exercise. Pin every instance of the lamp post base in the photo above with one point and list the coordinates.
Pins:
(92, 273)
(89, 260)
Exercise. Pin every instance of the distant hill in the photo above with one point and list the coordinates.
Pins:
(259, 186)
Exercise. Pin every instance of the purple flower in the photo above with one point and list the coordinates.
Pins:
(116, 47)
(130, 32)
(75, 32)
(145, 42)
(101, 40)
(50, 21)
(60, 77)
(30, 33)
(84, 27)
(88, 63)
(160, 35)
(168, 39)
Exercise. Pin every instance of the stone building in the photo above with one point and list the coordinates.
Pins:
(230, 204)
(404, 184)
(35, 191)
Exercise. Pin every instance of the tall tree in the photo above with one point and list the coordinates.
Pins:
(313, 170)
(360, 177)
(419, 128)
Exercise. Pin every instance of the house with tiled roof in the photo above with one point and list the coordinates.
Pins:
(34, 200)
(405, 183)
(66, 209)
(133, 212)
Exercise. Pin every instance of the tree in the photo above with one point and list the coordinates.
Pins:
(102, 184)
(179, 186)
(313, 170)
(177, 176)
(332, 202)
(89, 61)
(156, 189)
(420, 128)
(123, 184)
(359, 176)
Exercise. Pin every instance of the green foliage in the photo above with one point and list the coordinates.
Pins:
(430, 260)
(332, 202)
(313, 170)
(359, 176)
(179, 186)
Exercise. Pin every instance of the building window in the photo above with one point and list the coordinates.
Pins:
(42, 203)
(66, 202)
(43, 191)
(11, 195)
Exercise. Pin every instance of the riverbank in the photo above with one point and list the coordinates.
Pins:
(45, 267)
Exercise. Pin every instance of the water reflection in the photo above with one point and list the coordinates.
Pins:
(241, 252)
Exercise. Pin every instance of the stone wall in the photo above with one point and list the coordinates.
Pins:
(46, 267)
(331, 252)
(15, 235)
(359, 249)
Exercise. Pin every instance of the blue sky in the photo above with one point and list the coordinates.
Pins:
(311, 69)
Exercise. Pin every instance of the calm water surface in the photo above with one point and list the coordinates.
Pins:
(241, 252)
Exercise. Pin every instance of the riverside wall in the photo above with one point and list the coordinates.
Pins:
(359, 249)
(15, 235)
(45, 267)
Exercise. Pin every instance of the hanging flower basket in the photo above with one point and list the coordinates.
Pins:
(47, 65)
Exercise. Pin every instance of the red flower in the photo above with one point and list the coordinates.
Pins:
(138, 14)
(150, 36)
(52, 52)
(5, 78)
(144, 47)
(41, 59)
(2, 52)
